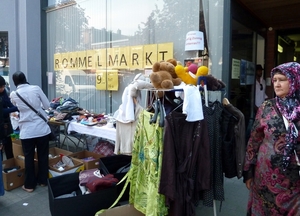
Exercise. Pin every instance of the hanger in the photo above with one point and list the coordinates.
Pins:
(201, 82)
(153, 119)
(226, 101)
(162, 114)
(151, 104)
(158, 110)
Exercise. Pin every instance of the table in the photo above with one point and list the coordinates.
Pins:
(55, 127)
(103, 131)
(60, 127)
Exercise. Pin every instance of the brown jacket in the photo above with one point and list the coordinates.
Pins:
(234, 150)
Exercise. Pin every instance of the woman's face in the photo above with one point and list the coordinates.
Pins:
(2, 88)
(281, 85)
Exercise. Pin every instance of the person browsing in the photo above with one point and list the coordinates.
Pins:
(7, 129)
(34, 131)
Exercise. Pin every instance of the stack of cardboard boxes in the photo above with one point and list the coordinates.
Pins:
(67, 181)
(14, 178)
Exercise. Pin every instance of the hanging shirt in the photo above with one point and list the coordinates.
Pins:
(192, 104)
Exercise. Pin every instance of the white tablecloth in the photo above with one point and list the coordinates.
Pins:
(103, 131)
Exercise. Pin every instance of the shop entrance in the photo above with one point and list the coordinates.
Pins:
(245, 56)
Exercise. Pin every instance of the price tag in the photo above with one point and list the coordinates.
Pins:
(112, 80)
(101, 80)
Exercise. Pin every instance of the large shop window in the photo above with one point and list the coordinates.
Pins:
(124, 45)
(4, 58)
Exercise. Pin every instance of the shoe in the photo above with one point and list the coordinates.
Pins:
(27, 190)
(43, 185)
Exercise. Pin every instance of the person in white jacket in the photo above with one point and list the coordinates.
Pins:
(34, 130)
(260, 90)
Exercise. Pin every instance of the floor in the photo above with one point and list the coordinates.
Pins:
(20, 203)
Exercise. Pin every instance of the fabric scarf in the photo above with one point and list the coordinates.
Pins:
(289, 106)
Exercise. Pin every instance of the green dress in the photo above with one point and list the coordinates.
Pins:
(145, 171)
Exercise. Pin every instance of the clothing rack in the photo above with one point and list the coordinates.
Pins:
(208, 96)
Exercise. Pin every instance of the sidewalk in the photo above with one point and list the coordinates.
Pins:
(20, 203)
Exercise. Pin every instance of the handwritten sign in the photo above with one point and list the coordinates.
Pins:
(112, 80)
(194, 41)
(107, 80)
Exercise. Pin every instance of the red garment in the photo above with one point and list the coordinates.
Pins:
(95, 183)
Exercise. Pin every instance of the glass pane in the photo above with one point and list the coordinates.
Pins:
(109, 31)
(4, 59)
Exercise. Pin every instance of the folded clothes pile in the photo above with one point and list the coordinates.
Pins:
(93, 180)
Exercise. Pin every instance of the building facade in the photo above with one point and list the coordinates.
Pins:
(91, 50)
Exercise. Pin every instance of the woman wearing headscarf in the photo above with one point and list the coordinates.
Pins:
(34, 131)
(271, 170)
(6, 127)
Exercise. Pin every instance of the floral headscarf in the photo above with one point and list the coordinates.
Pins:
(289, 106)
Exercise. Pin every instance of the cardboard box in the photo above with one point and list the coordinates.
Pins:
(58, 151)
(124, 210)
(53, 172)
(80, 204)
(88, 164)
(17, 150)
(13, 179)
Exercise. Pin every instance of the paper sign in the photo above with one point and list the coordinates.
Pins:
(112, 80)
(235, 69)
(194, 41)
(50, 77)
(101, 79)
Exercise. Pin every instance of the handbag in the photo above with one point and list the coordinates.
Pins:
(52, 136)
(7, 126)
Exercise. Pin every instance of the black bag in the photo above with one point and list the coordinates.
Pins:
(55, 130)
(7, 127)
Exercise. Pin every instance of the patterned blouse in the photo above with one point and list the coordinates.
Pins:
(274, 191)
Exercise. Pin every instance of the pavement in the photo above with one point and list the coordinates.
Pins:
(20, 203)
